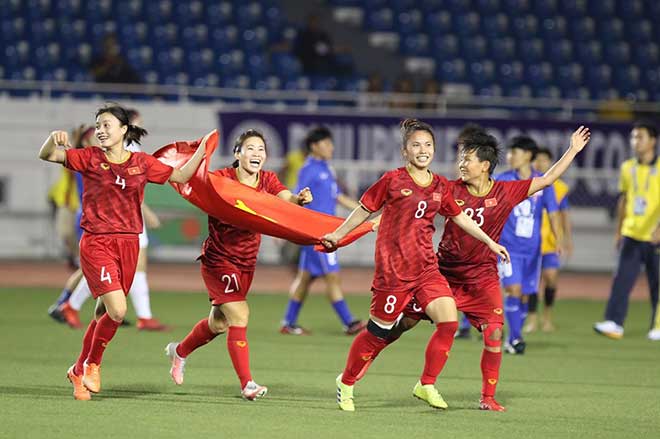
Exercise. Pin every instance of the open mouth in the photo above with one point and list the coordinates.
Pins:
(422, 158)
(255, 162)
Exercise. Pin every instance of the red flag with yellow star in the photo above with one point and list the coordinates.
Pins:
(243, 206)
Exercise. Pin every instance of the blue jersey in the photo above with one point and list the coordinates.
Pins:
(522, 231)
(320, 178)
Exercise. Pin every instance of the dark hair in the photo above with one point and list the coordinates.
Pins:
(409, 126)
(545, 151)
(484, 146)
(238, 144)
(132, 114)
(525, 143)
(468, 130)
(316, 135)
(648, 126)
(134, 133)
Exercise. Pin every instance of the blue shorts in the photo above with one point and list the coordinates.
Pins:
(550, 260)
(523, 270)
(317, 263)
(79, 231)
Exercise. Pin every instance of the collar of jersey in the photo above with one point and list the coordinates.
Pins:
(653, 162)
(486, 192)
(256, 185)
(130, 154)
(415, 180)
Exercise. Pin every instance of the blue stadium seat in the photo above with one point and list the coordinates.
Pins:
(561, 52)
(525, 26)
(438, 23)
(583, 29)
(452, 71)
(232, 63)
(248, 15)
(602, 8)
(553, 28)
(651, 79)
(268, 83)
(516, 7)
(510, 74)
(353, 84)
(482, 74)
(574, 8)
(617, 53)
(408, 22)
(402, 5)
(495, 26)
(640, 31)
(490, 91)
(430, 6)
(570, 76)
(539, 75)
(599, 76)
(219, 14)
(224, 38)
(589, 52)
(258, 66)
(549, 92)
(285, 65)
(466, 25)
(531, 51)
(517, 91)
(577, 93)
(545, 8)
(473, 48)
(381, 20)
(254, 40)
(610, 30)
(415, 45)
(485, 6)
(503, 50)
(323, 83)
(445, 46)
(626, 79)
(647, 55)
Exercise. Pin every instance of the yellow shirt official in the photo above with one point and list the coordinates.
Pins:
(641, 186)
(548, 239)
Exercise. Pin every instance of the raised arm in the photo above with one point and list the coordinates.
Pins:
(359, 215)
(471, 228)
(185, 172)
(579, 139)
(49, 151)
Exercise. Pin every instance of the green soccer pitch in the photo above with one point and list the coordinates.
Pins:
(569, 384)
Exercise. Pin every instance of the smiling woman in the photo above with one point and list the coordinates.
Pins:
(229, 257)
(113, 189)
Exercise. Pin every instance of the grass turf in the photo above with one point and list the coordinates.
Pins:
(568, 384)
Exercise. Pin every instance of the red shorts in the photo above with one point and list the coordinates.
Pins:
(481, 302)
(109, 261)
(226, 283)
(387, 305)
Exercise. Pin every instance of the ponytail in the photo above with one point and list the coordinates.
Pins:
(409, 126)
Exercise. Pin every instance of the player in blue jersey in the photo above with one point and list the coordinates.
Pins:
(522, 237)
(318, 175)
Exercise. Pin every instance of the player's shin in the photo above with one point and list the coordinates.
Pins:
(490, 360)
(437, 351)
(363, 349)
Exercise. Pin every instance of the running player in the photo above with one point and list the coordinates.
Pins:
(229, 257)
(139, 292)
(468, 266)
(318, 175)
(550, 261)
(114, 181)
(522, 234)
(406, 265)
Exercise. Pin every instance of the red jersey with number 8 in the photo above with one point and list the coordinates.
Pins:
(404, 246)
(113, 192)
(464, 259)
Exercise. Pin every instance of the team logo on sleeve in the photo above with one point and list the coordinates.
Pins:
(105, 166)
(498, 311)
(460, 202)
(406, 192)
(135, 170)
(490, 202)
(492, 381)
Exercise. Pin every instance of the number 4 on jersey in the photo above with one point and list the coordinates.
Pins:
(121, 182)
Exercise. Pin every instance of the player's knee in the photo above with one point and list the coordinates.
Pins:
(218, 326)
(493, 335)
(379, 330)
(116, 313)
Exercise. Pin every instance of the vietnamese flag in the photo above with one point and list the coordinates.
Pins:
(245, 207)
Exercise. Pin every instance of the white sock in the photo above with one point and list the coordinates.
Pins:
(80, 294)
(139, 294)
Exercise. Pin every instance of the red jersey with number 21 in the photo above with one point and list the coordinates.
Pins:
(464, 259)
(113, 192)
(404, 246)
(228, 243)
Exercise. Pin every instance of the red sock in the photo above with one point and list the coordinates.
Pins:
(105, 330)
(364, 348)
(437, 351)
(86, 346)
(490, 371)
(198, 336)
(239, 351)
(377, 351)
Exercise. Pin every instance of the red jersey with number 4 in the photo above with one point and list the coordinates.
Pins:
(228, 243)
(404, 246)
(113, 192)
(464, 259)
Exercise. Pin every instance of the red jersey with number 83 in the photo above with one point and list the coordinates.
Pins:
(464, 259)
(404, 246)
(113, 192)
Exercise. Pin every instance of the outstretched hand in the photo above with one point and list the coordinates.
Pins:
(580, 138)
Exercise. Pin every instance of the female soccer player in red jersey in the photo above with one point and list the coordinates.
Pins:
(114, 181)
(406, 265)
(469, 267)
(229, 257)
